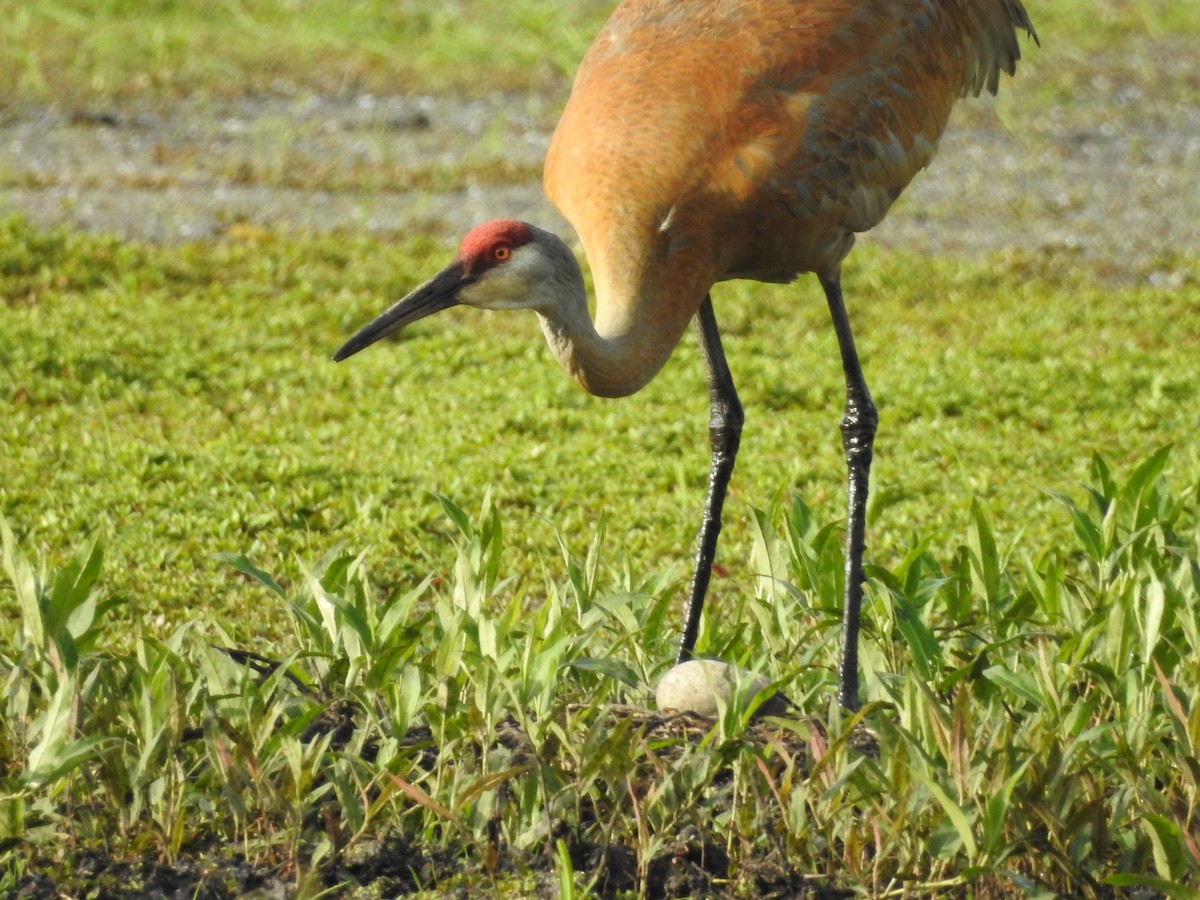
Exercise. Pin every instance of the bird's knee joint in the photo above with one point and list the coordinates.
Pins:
(858, 434)
(860, 422)
(724, 442)
(725, 424)
(725, 435)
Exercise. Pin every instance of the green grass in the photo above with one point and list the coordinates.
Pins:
(180, 403)
(83, 52)
(181, 466)
(183, 400)
(1034, 717)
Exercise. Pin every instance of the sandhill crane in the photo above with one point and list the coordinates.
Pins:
(707, 140)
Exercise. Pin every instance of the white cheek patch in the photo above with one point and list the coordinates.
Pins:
(492, 291)
(509, 285)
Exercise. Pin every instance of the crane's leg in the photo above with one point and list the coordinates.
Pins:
(724, 434)
(858, 436)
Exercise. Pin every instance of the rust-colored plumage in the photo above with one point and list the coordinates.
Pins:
(707, 140)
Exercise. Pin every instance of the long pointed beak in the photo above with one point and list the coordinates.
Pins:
(438, 293)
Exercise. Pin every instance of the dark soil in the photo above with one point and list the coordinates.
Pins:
(695, 865)
(396, 868)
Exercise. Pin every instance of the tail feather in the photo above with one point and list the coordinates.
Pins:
(992, 32)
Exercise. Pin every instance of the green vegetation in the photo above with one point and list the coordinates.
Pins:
(419, 698)
(77, 52)
(182, 399)
(1035, 723)
(82, 50)
(179, 403)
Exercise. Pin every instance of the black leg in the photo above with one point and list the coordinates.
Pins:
(858, 435)
(724, 433)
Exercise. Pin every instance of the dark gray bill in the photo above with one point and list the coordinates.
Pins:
(440, 292)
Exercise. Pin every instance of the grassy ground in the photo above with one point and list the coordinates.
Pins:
(80, 51)
(1033, 656)
(76, 51)
(182, 399)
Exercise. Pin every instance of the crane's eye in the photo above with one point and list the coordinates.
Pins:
(502, 253)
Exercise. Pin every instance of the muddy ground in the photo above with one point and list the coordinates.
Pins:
(1106, 171)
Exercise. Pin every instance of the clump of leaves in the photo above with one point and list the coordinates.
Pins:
(1032, 727)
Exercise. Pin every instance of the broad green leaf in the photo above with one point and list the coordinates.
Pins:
(1017, 683)
(410, 697)
(1153, 615)
(240, 563)
(56, 753)
(487, 638)
(489, 782)
(67, 758)
(1103, 478)
(1085, 527)
(1170, 854)
(986, 557)
(1141, 483)
(997, 808)
(73, 585)
(613, 668)
(25, 584)
(954, 812)
(922, 643)
(460, 519)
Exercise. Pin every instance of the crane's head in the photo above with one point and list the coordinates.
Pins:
(501, 264)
